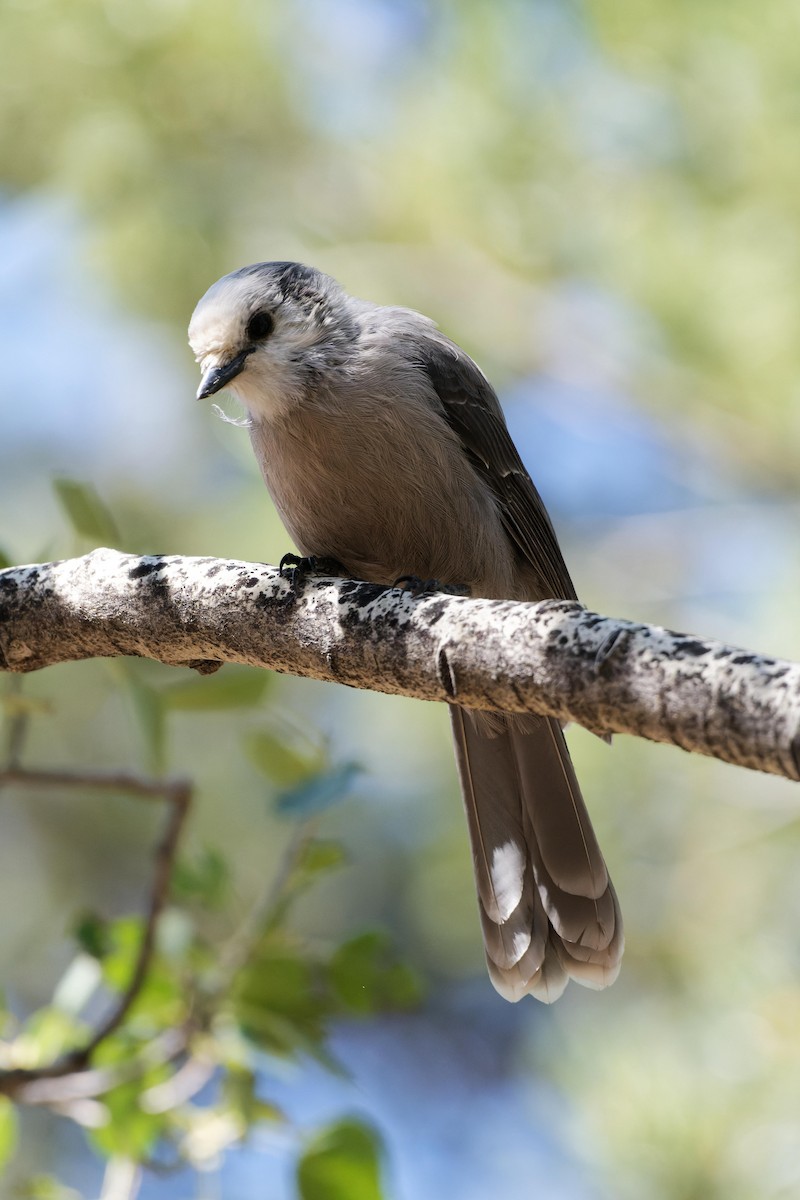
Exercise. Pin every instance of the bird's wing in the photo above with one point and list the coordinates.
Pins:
(471, 408)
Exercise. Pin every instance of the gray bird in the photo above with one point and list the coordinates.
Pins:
(384, 447)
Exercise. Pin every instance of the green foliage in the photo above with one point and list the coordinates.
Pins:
(279, 1000)
(524, 143)
(206, 879)
(92, 934)
(279, 997)
(309, 783)
(226, 989)
(230, 687)
(47, 1034)
(219, 987)
(367, 977)
(87, 514)
(149, 710)
(44, 1187)
(130, 1131)
(279, 758)
(8, 1131)
(239, 1094)
(162, 1001)
(341, 1162)
(319, 856)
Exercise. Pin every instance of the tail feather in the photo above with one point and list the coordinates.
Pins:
(593, 973)
(578, 919)
(565, 840)
(498, 840)
(516, 938)
(548, 909)
(547, 983)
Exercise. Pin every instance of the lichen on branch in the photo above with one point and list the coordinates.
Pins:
(552, 657)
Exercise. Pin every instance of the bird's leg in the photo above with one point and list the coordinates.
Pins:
(297, 568)
(428, 587)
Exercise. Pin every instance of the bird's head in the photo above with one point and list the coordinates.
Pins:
(264, 331)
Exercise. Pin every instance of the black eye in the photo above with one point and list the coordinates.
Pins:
(259, 326)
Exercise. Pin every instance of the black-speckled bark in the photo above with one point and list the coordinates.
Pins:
(553, 657)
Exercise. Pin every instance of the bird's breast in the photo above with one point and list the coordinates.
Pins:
(387, 490)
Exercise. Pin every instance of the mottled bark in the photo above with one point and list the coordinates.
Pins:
(553, 657)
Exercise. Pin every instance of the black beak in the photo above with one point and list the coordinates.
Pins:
(215, 378)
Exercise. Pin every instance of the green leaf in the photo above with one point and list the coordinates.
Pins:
(278, 759)
(239, 1093)
(131, 1132)
(86, 512)
(91, 933)
(124, 940)
(341, 1163)
(45, 1187)
(313, 858)
(320, 855)
(5, 561)
(269, 1113)
(163, 998)
(278, 1001)
(149, 709)
(46, 1035)
(233, 687)
(206, 878)
(8, 1130)
(367, 977)
(278, 981)
(319, 793)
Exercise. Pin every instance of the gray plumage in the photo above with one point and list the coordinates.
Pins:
(385, 447)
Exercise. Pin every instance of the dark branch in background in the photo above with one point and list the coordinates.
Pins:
(70, 1082)
(29, 1084)
(553, 657)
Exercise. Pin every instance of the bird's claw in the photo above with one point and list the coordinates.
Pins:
(297, 568)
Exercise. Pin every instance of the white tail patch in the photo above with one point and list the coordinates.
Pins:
(507, 871)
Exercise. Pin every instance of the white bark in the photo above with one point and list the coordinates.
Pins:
(553, 657)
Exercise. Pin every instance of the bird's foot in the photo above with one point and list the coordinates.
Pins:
(296, 568)
(428, 587)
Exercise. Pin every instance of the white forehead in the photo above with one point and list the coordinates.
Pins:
(308, 297)
(222, 313)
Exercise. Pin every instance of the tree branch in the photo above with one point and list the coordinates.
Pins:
(21, 1082)
(552, 658)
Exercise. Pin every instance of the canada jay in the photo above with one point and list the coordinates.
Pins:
(385, 448)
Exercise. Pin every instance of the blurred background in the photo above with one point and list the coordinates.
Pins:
(601, 203)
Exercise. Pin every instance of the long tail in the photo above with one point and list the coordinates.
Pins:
(548, 908)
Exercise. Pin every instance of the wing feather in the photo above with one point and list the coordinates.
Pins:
(472, 409)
